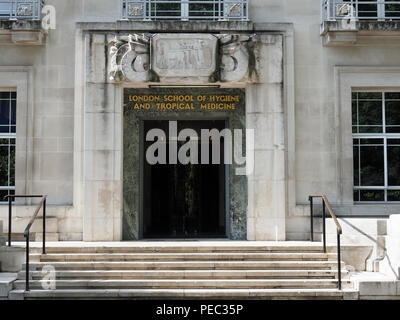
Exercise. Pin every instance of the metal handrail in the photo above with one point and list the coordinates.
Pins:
(185, 9)
(17, 9)
(355, 9)
(339, 230)
(41, 204)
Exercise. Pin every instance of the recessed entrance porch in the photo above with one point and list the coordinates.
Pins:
(174, 200)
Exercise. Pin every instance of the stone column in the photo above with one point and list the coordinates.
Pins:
(266, 115)
(101, 146)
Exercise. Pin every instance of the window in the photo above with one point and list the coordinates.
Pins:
(376, 146)
(8, 102)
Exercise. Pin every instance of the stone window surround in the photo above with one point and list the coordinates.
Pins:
(19, 78)
(347, 79)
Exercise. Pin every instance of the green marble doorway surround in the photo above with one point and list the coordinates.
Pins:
(200, 103)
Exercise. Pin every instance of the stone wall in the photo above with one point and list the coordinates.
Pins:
(2, 238)
(300, 151)
(391, 264)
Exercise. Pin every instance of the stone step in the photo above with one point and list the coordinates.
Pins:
(280, 294)
(184, 248)
(189, 274)
(214, 256)
(189, 265)
(189, 284)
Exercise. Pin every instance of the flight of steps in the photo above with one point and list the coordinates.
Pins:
(176, 271)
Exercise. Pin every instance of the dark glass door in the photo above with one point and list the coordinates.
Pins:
(184, 201)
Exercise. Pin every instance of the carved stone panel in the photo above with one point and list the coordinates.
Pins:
(178, 57)
(183, 58)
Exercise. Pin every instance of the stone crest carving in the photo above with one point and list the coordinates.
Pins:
(235, 57)
(182, 58)
(130, 58)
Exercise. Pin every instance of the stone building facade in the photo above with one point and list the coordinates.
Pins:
(299, 74)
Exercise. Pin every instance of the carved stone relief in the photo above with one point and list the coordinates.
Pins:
(182, 58)
(235, 57)
(130, 59)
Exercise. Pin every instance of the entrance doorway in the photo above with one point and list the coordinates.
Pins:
(184, 201)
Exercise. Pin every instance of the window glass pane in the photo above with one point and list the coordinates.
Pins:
(14, 95)
(392, 116)
(3, 193)
(372, 165)
(356, 165)
(393, 195)
(370, 116)
(166, 9)
(203, 9)
(13, 112)
(5, 95)
(392, 96)
(4, 166)
(12, 166)
(372, 195)
(393, 163)
(4, 129)
(4, 112)
(371, 142)
(368, 9)
(369, 96)
(392, 10)
(356, 195)
(355, 116)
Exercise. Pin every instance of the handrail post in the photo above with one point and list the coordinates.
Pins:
(44, 227)
(339, 263)
(323, 225)
(9, 220)
(311, 218)
(27, 263)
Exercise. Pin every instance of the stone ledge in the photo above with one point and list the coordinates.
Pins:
(343, 33)
(167, 26)
(11, 259)
(21, 32)
(6, 283)
(373, 285)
